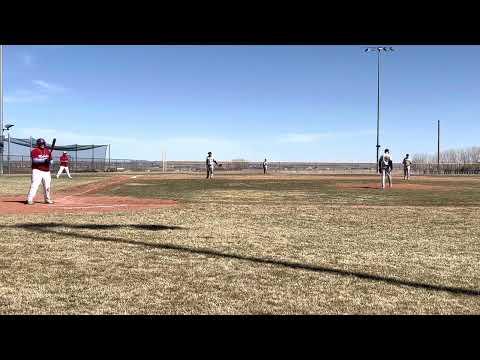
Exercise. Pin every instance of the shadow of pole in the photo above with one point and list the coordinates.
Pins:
(45, 228)
(152, 227)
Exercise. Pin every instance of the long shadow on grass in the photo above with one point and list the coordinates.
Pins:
(152, 227)
(46, 228)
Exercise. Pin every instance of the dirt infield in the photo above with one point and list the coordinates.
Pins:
(81, 199)
(86, 198)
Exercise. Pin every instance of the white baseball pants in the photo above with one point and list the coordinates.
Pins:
(61, 170)
(406, 172)
(209, 172)
(38, 177)
(388, 174)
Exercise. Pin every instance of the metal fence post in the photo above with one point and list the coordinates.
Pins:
(76, 157)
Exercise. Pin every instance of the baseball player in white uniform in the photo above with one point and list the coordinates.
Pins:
(41, 159)
(407, 162)
(209, 164)
(385, 165)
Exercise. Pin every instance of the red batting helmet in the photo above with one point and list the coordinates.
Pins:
(41, 142)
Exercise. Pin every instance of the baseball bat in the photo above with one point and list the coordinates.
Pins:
(52, 147)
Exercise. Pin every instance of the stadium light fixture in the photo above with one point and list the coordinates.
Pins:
(378, 50)
(7, 128)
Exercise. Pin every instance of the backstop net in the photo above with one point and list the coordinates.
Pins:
(16, 156)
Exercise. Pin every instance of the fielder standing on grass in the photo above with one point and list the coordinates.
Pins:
(64, 165)
(385, 164)
(209, 163)
(265, 165)
(406, 167)
(41, 159)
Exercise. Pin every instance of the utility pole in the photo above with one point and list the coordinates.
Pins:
(438, 146)
(1, 110)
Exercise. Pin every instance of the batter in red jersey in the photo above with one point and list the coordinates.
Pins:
(64, 159)
(41, 159)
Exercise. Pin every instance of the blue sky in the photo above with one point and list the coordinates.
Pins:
(290, 103)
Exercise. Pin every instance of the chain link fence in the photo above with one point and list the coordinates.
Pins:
(21, 164)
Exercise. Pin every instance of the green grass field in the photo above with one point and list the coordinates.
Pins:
(250, 245)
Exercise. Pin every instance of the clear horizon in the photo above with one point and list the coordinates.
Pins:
(283, 103)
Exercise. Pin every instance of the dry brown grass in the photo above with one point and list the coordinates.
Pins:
(16, 185)
(248, 258)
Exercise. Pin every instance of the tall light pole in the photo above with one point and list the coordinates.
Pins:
(378, 50)
(1, 109)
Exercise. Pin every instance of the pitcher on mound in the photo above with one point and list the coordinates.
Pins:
(385, 165)
(40, 172)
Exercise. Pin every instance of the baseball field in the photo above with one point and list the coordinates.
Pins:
(241, 244)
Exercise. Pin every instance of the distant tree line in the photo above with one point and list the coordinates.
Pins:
(454, 161)
(469, 155)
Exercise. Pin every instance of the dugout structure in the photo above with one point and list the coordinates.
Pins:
(83, 158)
